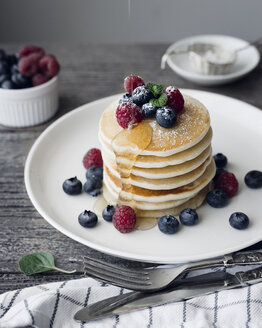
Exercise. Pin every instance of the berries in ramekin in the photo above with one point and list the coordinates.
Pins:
(30, 68)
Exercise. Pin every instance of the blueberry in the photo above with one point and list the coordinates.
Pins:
(166, 117)
(168, 224)
(95, 192)
(21, 81)
(239, 220)
(87, 219)
(141, 95)
(92, 184)
(253, 179)
(14, 69)
(219, 171)
(94, 171)
(2, 54)
(108, 213)
(11, 60)
(220, 160)
(188, 217)
(7, 84)
(4, 69)
(148, 110)
(4, 77)
(217, 198)
(127, 97)
(72, 186)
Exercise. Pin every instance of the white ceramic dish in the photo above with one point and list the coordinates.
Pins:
(246, 60)
(57, 155)
(28, 107)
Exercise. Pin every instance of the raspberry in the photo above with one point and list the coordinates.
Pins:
(124, 219)
(93, 158)
(28, 65)
(174, 98)
(49, 66)
(28, 50)
(39, 79)
(128, 114)
(228, 183)
(131, 82)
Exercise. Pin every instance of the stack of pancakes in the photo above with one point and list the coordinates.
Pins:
(160, 171)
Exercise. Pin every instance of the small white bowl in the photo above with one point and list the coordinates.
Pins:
(30, 106)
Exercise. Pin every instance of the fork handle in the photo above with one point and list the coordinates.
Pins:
(228, 261)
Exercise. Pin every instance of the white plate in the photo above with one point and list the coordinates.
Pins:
(57, 155)
(247, 59)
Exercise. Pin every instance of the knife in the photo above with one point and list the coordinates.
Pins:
(183, 289)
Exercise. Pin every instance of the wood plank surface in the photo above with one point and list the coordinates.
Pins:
(88, 72)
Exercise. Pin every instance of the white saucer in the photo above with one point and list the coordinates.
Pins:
(247, 60)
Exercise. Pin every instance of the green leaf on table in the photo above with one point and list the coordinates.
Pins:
(159, 102)
(39, 262)
(156, 89)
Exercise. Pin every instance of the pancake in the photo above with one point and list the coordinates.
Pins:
(193, 202)
(155, 161)
(155, 170)
(191, 127)
(148, 195)
(164, 184)
(159, 173)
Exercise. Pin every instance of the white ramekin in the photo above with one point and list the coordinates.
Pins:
(28, 107)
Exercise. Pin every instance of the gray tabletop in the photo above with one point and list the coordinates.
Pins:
(89, 72)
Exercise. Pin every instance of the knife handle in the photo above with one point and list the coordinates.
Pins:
(250, 277)
(109, 304)
(245, 258)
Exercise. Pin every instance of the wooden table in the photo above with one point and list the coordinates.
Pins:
(89, 72)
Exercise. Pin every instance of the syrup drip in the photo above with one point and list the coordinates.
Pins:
(134, 141)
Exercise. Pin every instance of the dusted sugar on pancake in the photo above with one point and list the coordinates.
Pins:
(157, 158)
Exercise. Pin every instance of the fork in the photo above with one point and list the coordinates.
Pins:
(159, 277)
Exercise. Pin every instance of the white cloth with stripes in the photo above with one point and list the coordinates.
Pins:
(54, 305)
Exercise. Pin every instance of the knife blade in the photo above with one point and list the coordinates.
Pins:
(183, 289)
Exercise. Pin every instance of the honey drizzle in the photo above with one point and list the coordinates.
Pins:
(134, 141)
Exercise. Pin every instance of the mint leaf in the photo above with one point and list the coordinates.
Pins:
(159, 102)
(156, 89)
(39, 262)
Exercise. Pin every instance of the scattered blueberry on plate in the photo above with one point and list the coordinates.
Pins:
(253, 179)
(220, 160)
(108, 213)
(217, 198)
(94, 171)
(87, 219)
(168, 224)
(72, 186)
(188, 217)
(92, 184)
(239, 220)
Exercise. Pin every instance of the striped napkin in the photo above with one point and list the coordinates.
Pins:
(54, 305)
